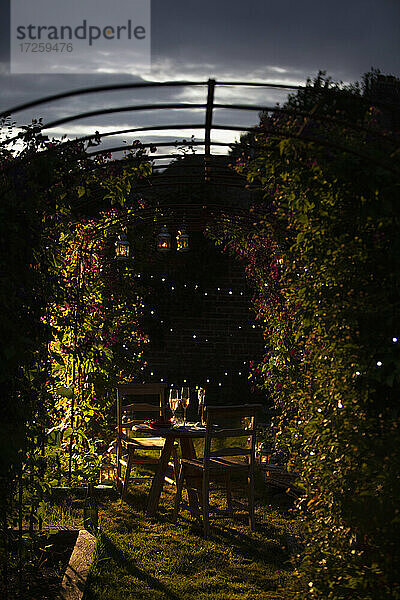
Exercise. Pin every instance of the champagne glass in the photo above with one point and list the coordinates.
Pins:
(201, 394)
(173, 402)
(185, 398)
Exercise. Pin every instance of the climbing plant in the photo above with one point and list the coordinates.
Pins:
(322, 251)
(96, 340)
(69, 312)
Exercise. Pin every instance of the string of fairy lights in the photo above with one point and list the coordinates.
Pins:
(205, 381)
(201, 338)
(196, 286)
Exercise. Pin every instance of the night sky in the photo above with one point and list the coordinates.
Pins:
(285, 41)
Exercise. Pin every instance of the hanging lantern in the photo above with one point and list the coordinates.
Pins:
(122, 247)
(164, 240)
(182, 240)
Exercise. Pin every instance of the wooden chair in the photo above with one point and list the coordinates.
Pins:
(134, 413)
(221, 462)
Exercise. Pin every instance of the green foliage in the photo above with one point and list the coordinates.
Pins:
(323, 253)
(95, 337)
(69, 314)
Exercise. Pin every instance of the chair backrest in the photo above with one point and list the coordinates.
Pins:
(136, 410)
(224, 414)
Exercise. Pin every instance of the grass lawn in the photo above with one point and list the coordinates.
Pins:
(138, 558)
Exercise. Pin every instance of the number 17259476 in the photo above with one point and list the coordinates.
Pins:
(46, 47)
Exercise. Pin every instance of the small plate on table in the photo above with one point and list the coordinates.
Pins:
(158, 424)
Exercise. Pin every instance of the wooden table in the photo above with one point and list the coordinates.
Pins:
(171, 434)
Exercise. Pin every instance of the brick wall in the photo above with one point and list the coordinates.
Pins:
(201, 326)
(204, 327)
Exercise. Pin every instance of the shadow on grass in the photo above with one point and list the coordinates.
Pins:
(137, 500)
(270, 547)
(125, 562)
(268, 541)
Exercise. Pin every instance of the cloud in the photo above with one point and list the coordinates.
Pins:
(257, 41)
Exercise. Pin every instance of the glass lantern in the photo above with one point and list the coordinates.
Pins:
(263, 453)
(107, 469)
(182, 240)
(279, 254)
(164, 240)
(122, 247)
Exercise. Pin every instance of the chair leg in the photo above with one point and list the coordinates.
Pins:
(229, 494)
(127, 474)
(118, 465)
(178, 495)
(206, 504)
(175, 460)
(250, 481)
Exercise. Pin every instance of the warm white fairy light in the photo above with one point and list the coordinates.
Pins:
(194, 337)
(340, 405)
(230, 292)
(358, 373)
(394, 340)
(379, 363)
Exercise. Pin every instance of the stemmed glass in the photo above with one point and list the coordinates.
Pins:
(173, 402)
(201, 394)
(185, 398)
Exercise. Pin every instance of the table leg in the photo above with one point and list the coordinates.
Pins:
(159, 477)
(188, 451)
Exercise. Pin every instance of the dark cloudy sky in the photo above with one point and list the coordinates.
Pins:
(253, 40)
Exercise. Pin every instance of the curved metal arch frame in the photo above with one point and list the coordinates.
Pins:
(207, 125)
(209, 107)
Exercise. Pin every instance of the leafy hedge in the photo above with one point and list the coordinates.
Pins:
(323, 252)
